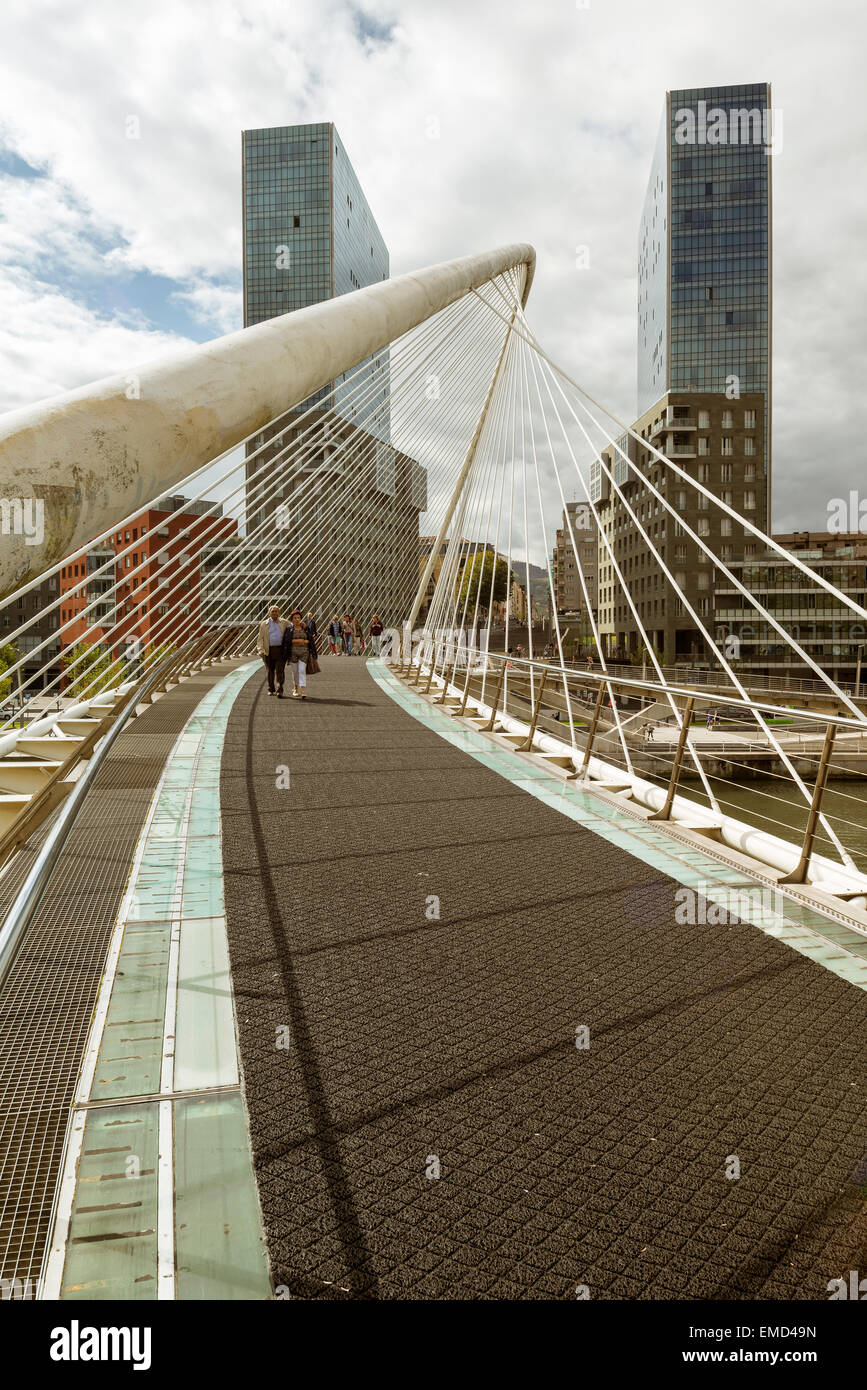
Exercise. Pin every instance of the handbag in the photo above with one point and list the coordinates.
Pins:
(313, 667)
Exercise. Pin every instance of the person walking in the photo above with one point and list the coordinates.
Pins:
(376, 630)
(357, 636)
(347, 634)
(334, 635)
(269, 645)
(297, 644)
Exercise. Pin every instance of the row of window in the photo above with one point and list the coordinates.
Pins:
(683, 415)
(122, 538)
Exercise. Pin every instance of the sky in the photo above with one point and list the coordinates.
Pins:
(470, 124)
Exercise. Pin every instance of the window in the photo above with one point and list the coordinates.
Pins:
(703, 526)
(725, 526)
(704, 419)
(749, 419)
(703, 503)
(680, 501)
(703, 579)
(725, 473)
(749, 472)
(702, 472)
(749, 445)
(728, 420)
(749, 501)
(727, 497)
(703, 446)
(296, 220)
(727, 448)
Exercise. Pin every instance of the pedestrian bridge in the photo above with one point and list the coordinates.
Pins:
(429, 986)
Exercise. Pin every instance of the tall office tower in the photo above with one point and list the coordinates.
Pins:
(704, 369)
(704, 251)
(310, 235)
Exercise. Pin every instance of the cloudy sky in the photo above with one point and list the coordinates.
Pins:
(470, 123)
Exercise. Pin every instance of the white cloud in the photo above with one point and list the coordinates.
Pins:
(50, 343)
(215, 305)
(547, 116)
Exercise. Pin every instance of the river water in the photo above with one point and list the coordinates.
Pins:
(844, 801)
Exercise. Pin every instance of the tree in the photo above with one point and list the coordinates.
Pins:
(8, 657)
(476, 583)
(90, 670)
(157, 653)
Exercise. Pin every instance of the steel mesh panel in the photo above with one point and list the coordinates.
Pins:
(49, 997)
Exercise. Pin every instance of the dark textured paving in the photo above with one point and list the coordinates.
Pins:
(455, 1038)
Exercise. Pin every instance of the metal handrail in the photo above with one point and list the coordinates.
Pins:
(23, 909)
(502, 662)
(522, 667)
(710, 675)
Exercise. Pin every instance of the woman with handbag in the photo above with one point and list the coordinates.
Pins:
(297, 641)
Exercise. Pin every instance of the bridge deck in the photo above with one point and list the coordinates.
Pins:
(413, 1039)
(48, 1000)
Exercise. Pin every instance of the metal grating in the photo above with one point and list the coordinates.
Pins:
(48, 1001)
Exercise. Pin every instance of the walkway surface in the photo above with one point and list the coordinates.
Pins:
(382, 1045)
(49, 997)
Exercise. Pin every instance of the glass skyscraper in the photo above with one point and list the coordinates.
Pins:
(309, 235)
(333, 503)
(704, 250)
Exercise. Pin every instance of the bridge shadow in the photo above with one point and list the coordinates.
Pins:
(325, 1133)
(514, 1062)
(326, 700)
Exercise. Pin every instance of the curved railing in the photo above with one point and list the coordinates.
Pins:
(39, 741)
(471, 683)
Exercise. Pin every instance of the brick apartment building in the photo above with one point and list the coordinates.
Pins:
(150, 588)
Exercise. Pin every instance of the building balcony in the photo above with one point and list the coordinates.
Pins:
(670, 421)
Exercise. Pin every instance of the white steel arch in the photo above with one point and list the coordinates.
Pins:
(93, 455)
